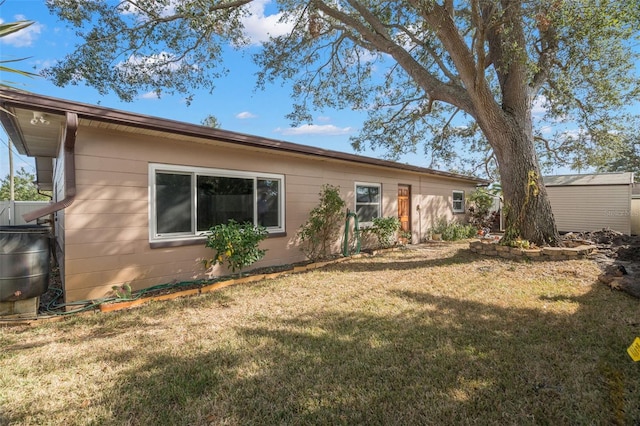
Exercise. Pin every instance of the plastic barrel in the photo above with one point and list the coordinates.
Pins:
(24, 262)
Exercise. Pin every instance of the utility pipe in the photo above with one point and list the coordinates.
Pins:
(69, 141)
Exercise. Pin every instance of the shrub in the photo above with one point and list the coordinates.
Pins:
(440, 226)
(453, 231)
(236, 244)
(320, 231)
(385, 229)
(480, 213)
(456, 231)
(123, 291)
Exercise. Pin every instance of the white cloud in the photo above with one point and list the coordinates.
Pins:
(576, 133)
(244, 115)
(538, 108)
(150, 95)
(127, 8)
(315, 129)
(546, 130)
(259, 27)
(44, 63)
(26, 37)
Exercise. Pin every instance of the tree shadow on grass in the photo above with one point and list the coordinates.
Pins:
(441, 360)
(389, 263)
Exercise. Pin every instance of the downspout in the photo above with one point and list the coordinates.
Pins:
(69, 141)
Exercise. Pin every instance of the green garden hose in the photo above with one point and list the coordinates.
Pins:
(356, 233)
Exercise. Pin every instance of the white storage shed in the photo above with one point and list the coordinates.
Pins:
(590, 202)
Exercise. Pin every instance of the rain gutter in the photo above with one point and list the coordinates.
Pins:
(69, 145)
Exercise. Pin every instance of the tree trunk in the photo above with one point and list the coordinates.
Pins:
(526, 205)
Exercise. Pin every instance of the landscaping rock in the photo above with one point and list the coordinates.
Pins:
(618, 256)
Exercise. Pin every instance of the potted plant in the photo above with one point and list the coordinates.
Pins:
(404, 237)
(438, 229)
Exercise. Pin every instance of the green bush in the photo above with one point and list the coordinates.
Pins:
(236, 244)
(320, 231)
(457, 231)
(440, 226)
(385, 229)
(482, 200)
(453, 231)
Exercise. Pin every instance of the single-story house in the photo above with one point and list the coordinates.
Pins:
(590, 202)
(134, 194)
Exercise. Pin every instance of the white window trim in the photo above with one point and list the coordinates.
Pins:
(355, 200)
(204, 171)
(453, 202)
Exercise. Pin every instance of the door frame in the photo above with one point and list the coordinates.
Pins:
(409, 219)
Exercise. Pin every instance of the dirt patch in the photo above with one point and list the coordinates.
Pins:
(612, 246)
(618, 257)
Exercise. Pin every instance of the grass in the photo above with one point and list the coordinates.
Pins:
(419, 336)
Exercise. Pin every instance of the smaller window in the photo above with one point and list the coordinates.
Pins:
(458, 201)
(368, 202)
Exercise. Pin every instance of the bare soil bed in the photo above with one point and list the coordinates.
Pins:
(618, 256)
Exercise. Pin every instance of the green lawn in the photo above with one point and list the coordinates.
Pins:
(419, 336)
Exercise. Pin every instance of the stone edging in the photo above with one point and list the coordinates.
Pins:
(491, 248)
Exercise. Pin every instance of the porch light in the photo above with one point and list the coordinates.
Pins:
(39, 118)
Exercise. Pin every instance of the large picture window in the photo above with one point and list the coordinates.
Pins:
(368, 202)
(186, 202)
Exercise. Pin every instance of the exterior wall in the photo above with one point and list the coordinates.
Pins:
(106, 229)
(59, 216)
(590, 208)
(635, 216)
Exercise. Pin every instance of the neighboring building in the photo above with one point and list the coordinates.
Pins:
(133, 194)
(591, 202)
(635, 210)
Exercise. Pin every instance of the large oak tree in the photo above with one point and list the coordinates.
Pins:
(413, 64)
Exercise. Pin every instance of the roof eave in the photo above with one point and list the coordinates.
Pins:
(11, 97)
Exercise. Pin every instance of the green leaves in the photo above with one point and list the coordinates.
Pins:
(12, 27)
(424, 71)
(24, 187)
(5, 30)
(319, 232)
(134, 47)
(385, 229)
(235, 244)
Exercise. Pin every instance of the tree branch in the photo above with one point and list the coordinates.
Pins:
(547, 53)
(378, 36)
(432, 53)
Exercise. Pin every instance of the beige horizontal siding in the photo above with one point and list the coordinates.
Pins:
(113, 206)
(110, 192)
(635, 216)
(106, 228)
(589, 208)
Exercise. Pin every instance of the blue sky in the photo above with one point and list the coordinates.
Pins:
(234, 102)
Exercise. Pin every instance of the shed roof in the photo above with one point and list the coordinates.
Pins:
(621, 178)
(43, 142)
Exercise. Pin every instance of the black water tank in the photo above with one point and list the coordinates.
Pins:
(24, 261)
